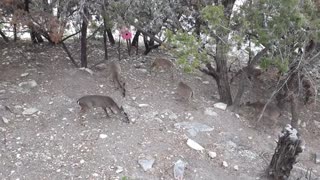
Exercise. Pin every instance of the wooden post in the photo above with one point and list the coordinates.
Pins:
(286, 153)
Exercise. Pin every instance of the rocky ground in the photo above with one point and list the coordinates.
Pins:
(41, 136)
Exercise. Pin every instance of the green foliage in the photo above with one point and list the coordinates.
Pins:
(186, 49)
(125, 178)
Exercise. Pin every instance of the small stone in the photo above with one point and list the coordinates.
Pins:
(212, 154)
(5, 120)
(82, 161)
(143, 105)
(194, 145)
(236, 167)
(134, 98)
(220, 105)
(205, 82)
(146, 164)
(173, 116)
(87, 70)
(317, 123)
(24, 74)
(95, 174)
(317, 158)
(250, 138)
(50, 103)
(2, 91)
(101, 85)
(119, 169)
(58, 170)
(143, 70)
(210, 112)
(238, 116)
(224, 164)
(178, 169)
(304, 124)
(28, 84)
(30, 111)
(103, 136)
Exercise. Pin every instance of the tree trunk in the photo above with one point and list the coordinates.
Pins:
(105, 38)
(286, 153)
(5, 38)
(294, 111)
(237, 99)
(135, 40)
(83, 39)
(222, 72)
(110, 37)
(15, 37)
(35, 36)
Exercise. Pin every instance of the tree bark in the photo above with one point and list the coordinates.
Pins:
(286, 153)
(83, 39)
(35, 36)
(15, 37)
(294, 111)
(5, 38)
(110, 37)
(105, 39)
(135, 40)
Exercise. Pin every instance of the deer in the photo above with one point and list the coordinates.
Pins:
(105, 102)
(115, 69)
(271, 112)
(162, 64)
(184, 91)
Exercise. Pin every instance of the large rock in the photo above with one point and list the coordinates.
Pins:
(193, 127)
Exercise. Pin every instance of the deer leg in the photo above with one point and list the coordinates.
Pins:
(105, 110)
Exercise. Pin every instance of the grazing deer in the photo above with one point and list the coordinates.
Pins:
(93, 101)
(271, 112)
(115, 69)
(184, 91)
(162, 64)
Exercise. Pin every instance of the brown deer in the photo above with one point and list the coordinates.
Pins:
(184, 91)
(115, 70)
(93, 101)
(162, 64)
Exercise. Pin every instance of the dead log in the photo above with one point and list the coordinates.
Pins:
(285, 156)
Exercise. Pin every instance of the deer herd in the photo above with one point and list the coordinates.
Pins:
(183, 91)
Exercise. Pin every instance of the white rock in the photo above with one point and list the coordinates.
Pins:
(194, 145)
(224, 164)
(173, 116)
(28, 84)
(236, 167)
(210, 112)
(220, 105)
(205, 82)
(212, 154)
(103, 136)
(95, 174)
(82, 161)
(250, 138)
(24, 74)
(146, 164)
(119, 169)
(134, 98)
(143, 70)
(5, 120)
(51, 102)
(87, 70)
(317, 123)
(30, 111)
(238, 116)
(178, 169)
(2, 91)
(143, 105)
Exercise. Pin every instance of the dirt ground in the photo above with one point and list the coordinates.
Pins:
(52, 144)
